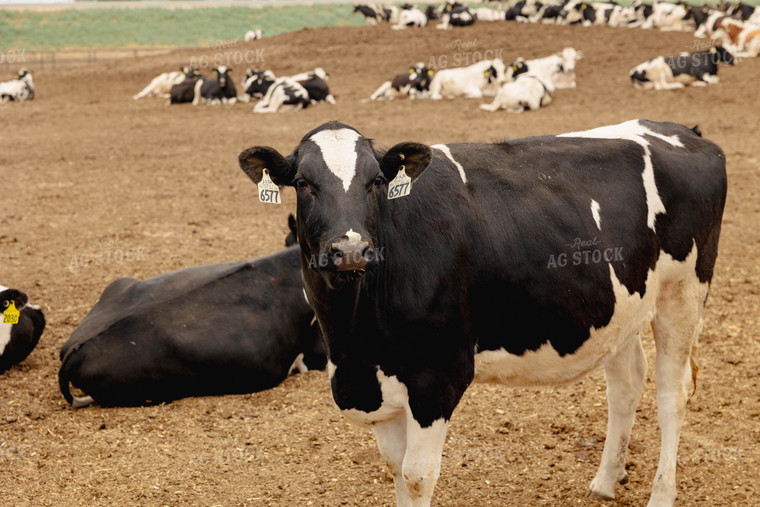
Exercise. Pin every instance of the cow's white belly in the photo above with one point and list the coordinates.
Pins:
(632, 313)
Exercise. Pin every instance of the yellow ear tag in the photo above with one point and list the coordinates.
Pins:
(486, 73)
(584, 6)
(430, 72)
(10, 316)
(514, 68)
(269, 192)
(400, 186)
(713, 50)
(411, 71)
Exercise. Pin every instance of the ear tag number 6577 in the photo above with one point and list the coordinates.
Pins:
(400, 186)
(269, 192)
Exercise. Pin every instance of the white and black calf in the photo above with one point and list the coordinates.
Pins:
(412, 292)
(21, 325)
(699, 68)
(229, 328)
(284, 93)
(19, 89)
(315, 84)
(218, 90)
(410, 16)
(252, 35)
(555, 71)
(415, 83)
(456, 14)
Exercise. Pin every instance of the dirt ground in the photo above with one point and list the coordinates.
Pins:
(87, 170)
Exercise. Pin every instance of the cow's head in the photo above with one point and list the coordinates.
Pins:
(721, 54)
(190, 72)
(516, 68)
(222, 74)
(341, 183)
(24, 73)
(7, 296)
(420, 76)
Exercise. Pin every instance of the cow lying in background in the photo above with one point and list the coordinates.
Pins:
(161, 85)
(184, 91)
(415, 83)
(252, 35)
(410, 15)
(524, 93)
(229, 328)
(473, 82)
(290, 92)
(19, 89)
(455, 14)
(556, 71)
(218, 90)
(21, 325)
(699, 68)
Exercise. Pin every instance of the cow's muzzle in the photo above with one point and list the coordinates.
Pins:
(350, 255)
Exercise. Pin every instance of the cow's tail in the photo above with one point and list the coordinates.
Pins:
(64, 384)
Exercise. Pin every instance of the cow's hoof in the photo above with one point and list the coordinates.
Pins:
(595, 495)
(624, 479)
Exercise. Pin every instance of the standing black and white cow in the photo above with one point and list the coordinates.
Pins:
(699, 68)
(19, 89)
(229, 328)
(21, 325)
(218, 90)
(473, 275)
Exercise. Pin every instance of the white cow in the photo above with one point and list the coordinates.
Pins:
(252, 35)
(524, 93)
(410, 17)
(669, 18)
(19, 89)
(556, 71)
(472, 82)
(161, 85)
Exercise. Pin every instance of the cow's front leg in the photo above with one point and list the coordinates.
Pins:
(391, 441)
(422, 460)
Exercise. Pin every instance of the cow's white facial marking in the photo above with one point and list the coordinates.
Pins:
(353, 237)
(5, 329)
(634, 131)
(338, 149)
(595, 214)
(446, 151)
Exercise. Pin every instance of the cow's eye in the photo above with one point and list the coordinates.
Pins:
(301, 183)
(380, 181)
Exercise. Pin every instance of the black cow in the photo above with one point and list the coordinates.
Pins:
(458, 14)
(218, 90)
(21, 326)
(234, 327)
(292, 237)
(741, 9)
(184, 92)
(527, 262)
(315, 83)
(699, 68)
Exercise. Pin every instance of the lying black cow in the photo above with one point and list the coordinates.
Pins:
(236, 327)
(415, 83)
(21, 325)
(528, 262)
(218, 90)
(184, 92)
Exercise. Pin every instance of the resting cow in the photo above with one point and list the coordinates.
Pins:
(21, 325)
(19, 89)
(235, 327)
(699, 68)
(472, 82)
(161, 85)
(474, 276)
(184, 91)
(524, 93)
(218, 90)
(415, 83)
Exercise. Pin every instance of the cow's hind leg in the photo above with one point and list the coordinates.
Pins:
(624, 373)
(676, 327)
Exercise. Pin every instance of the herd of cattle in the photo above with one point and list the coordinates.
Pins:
(244, 326)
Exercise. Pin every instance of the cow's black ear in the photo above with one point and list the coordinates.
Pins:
(415, 158)
(254, 160)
